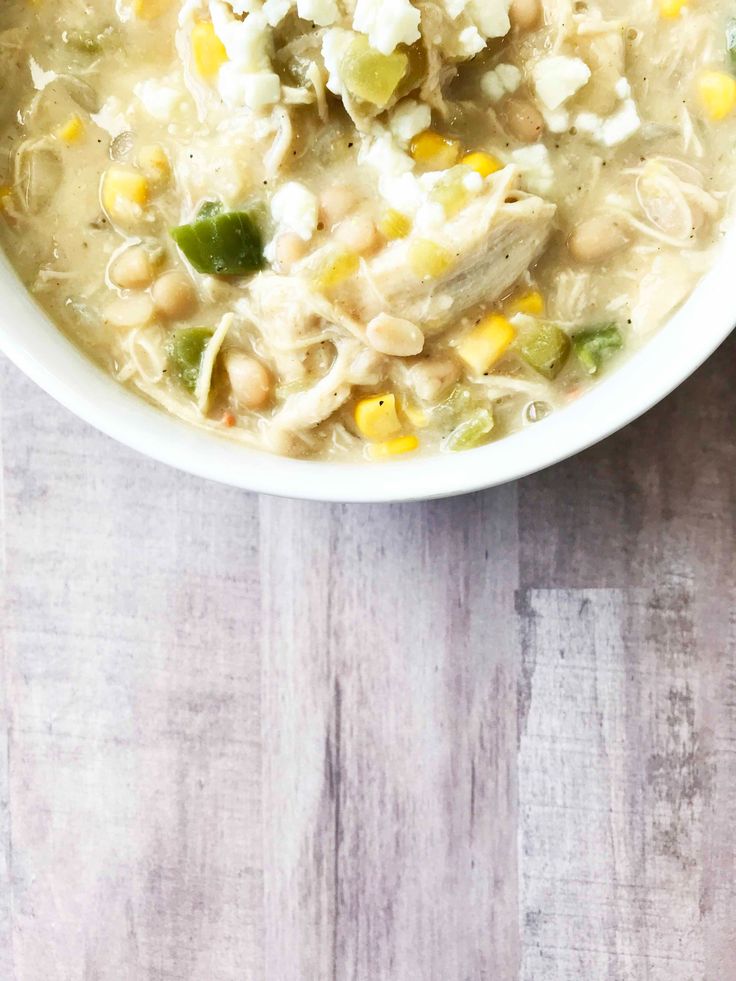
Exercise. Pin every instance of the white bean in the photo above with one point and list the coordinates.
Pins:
(133, 269)
(597, 239)
(290, 248)
(525, 14)
(358, 233)
(335, 203)
(249, 380)
(525, 120)
(394, 336)
(174, 295)
(136, 310)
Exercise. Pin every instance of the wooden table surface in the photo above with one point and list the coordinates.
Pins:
(486, 739)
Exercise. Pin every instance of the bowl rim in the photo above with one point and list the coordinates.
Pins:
(39, 349)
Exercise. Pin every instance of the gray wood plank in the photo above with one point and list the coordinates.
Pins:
(133, 683)
(6, 904)
(614, 789)
(389, 736)
(6, 907)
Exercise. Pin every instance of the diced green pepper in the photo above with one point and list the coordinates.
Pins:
(545, 347)
(370, 75)
(731, 41)
(596, 345)
(223, 244)
(416, 70)
(185, 349)
(472, 432)
(458, 403)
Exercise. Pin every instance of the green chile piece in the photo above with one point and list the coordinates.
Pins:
(185, 349)
(369, 75)
(227, 243)
(472, 432)
(545, 347)
(595, 345)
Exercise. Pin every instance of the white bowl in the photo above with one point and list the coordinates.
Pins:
(29, 339)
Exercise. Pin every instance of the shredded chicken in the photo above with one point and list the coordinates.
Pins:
(492, 242)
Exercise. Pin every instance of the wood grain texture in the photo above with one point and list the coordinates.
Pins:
(258, 740)
(395, 741)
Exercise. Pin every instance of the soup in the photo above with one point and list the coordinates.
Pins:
(349, 229)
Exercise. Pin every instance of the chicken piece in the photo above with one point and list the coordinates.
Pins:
(489, 245)
(353, 365)
(295, 320)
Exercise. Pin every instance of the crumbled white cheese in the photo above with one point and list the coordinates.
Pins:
(430, 216)
(468, 25)
(470, 41)
(381, 153)
(404, 193)
(158, 99)
(491, 17)
(557, 120)
(111, 117)
(622, 124)
(245, 41)
(261, 89)
(535, 167)
(473, 182)
(589, 122)
(295, 208)
(622, 88)
(275, 10)
(387, 23)
(558, 77)
(39, 77)
(320, 12)
(255, 90)
(500, 81)
(409, 118)
(247, 78)
(611, 130)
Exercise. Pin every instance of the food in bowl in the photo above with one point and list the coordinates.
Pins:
(364, 228)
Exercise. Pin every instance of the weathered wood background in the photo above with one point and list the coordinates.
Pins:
(488, 739)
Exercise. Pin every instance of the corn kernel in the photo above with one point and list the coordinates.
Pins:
(531, 303)
(335, 268)
(427, 260)
(154, 163)
(671, 8)
(486, 343)
(208, 50)
(482, 163)
(150, 9)
(376, 417)
(72, 131)
(435, 151)
(394, 447)
(394, 225)
(124, 192)
(717, 91)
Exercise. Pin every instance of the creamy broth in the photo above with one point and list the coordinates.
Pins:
(373, 229)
